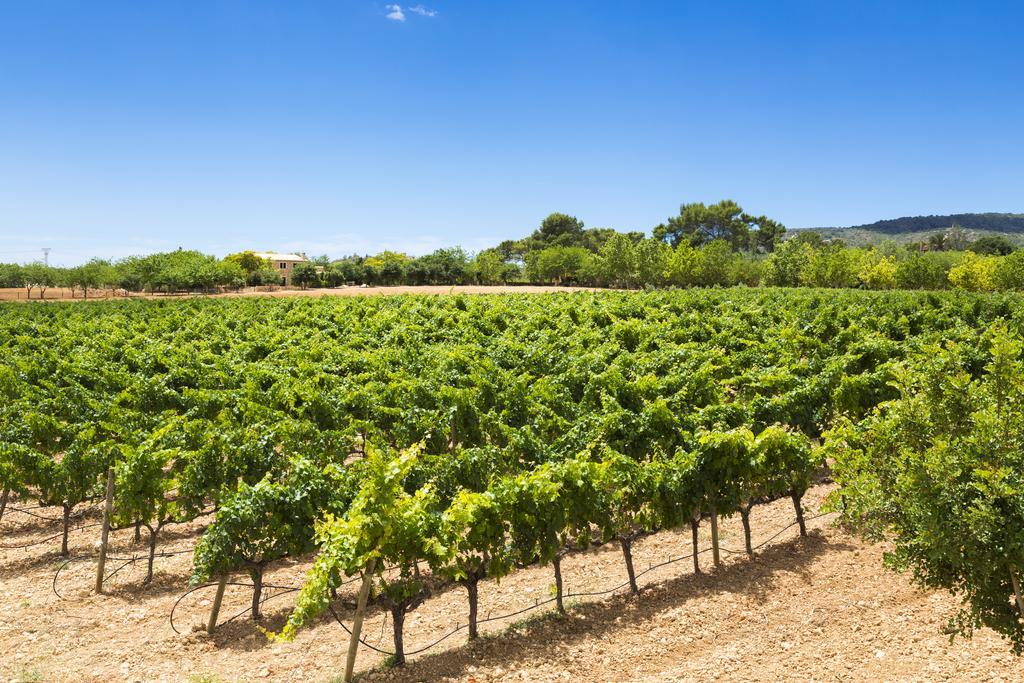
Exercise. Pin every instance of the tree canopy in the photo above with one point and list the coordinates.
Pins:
(699, 224)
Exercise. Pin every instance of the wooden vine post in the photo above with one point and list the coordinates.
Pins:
(357, 624)
(217, 600)
(714, 537)
(108, 509)
(1016, 592)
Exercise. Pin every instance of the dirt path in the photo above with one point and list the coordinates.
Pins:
(64, 294)
(820, 608)
(417, 289)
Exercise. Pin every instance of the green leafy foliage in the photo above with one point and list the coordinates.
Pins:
(939, 471)
(453, 438)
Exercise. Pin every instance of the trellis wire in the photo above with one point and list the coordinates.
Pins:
(283, 590)
(49, 538)
(126, 562)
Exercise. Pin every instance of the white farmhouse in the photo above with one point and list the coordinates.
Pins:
(283, 263)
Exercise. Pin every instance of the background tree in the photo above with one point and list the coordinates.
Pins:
(557, 265)
(488, 267)
(592, 239)
(267, 277)
(386, 268)
(1010, 272)
(616, 262)
(785, 266)
(653, 262)
(992, 245)
(937, 242)
(305, 275)
(974, 273)
(716, 264)
(927, 270)
(831, 266)
(700, 224)
(684, 266)
(878, 273)
(767, 233)
(95, 274)
(956, 239)
(11, 275)
(808, 237)
(513, 250)
(38, 275)
(559, 229)
(443, 266)
(251, 264)
(350, 269)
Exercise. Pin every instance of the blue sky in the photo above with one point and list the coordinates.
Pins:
(351, 125)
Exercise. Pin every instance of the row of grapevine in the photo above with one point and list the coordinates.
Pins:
(535, 516)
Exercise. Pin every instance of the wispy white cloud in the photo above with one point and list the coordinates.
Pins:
(397, 12)
(423, 11)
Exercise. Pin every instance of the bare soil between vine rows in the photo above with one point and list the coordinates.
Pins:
(820, 608)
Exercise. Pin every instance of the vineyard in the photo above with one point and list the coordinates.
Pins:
(416, 447)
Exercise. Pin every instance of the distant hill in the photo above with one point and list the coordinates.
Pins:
(918, 228)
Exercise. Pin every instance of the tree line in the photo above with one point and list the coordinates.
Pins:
(702, 246)
(1000, 222)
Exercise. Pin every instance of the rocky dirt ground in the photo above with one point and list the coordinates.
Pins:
(814, 609)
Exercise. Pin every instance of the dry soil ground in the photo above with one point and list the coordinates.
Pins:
(819, 608)
(51, 294)
(63, 294)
